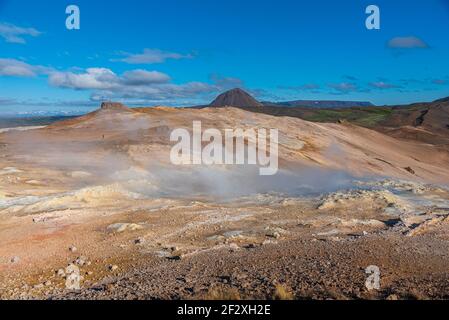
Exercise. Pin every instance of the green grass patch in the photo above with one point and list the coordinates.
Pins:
(366, 117)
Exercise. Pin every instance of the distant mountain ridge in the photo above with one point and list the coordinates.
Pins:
(239, 98)
(427, 122)
(321, 104)
(12, 122)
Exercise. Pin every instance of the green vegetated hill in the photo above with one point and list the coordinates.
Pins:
(426, 122)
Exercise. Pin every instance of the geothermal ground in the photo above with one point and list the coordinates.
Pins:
(99, 193)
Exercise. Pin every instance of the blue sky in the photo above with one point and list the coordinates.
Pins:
(183, 52)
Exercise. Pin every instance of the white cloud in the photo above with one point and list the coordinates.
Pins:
(344, 87)
(92, 78)
(161, 92)
(410, 42)
(143, 77)
(383, 85)
(151, 56)
(7, 101)
(15, 34)
(17, 68)
(106, 79)
(226, 83)
(134, 84)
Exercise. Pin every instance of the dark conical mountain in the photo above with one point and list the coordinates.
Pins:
(235, 98)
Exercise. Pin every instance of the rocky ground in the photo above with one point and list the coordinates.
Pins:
(91, 203)
(314, 247)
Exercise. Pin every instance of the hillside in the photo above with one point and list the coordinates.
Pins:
(235, 98)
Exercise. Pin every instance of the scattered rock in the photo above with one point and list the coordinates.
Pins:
(71, 268)
(81, 261)
(275, 235)
(349, 199)
(139, 241)
(427, 225)
(113, 268)
(60, 273)
(358, 222)
(409, 169)
(329, 233)
(232, 234)
(274, 232)
(73, 278)
(15, 260)
(216, 237)
(73, 249)
(267, 242)
(122, 227)
(162, 254)
(73, 282)
(40, 219)
(175, 257)
(234, 247)
(409, 186)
